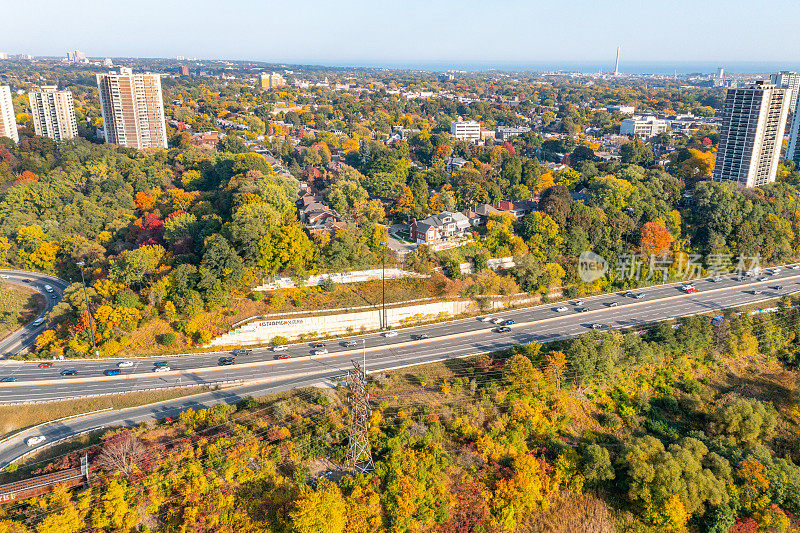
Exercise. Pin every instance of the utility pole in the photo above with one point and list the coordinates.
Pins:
(383, 285)
(359, 453)
(88, 309)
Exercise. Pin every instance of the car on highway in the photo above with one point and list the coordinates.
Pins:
(485, 319)
(562, 309)
(756, 291)
(597, 326)
(639, 295)
(5, 276)
(242, 351)
(319, 351)
(317, 344)
(419, 336)
(160, 364)
(33, 441)
(125, 364)
(577, 302)
(689, 289)
(48, 288)
(795, 267)
(38, 322)
(508, 322)
(112, 372)
(581, 309)
(279, 348)
(349, 344)
(8, 379)
(763, 278)
(775, 271)
(503, 329)
(69, 372)
(612, 304)
(776, 287)
(389, 334)
(497, 320)
(225, 361)
(26, 280)
(283, 356)
(162, 369)
(45, 365)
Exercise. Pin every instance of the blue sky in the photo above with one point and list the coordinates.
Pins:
(411, 31)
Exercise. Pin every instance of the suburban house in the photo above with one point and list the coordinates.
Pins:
(453, 164)
(442, 227)
(518, 209)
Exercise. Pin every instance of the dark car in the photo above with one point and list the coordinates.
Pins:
(419, 336)
(242, 351)
(349, 344)
(159, 364)
(777, 287)
(508, 322)
(581, 309)
(26, 280)
(504, 329)
(317, 344)
(69, 372)
(224, 361)
(112, 372)
(8, 379)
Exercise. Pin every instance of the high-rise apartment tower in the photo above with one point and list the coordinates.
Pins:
(8, 121)
(750, 138)
(53, 113)
(133, 109)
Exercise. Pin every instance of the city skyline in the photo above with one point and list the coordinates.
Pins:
(359, 33)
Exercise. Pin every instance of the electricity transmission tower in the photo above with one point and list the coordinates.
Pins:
(359, 455)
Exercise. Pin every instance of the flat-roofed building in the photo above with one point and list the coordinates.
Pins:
(53, 113)
(133, 109)
(466, 130)
(8, 121)
(750, 138)
(644, 127)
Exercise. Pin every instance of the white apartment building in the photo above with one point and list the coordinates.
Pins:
(750, 138)
(8, 120)
(53, 113)
(786, 79)
(624, 109)
(466, 130)
(644, 127)
(133, 109)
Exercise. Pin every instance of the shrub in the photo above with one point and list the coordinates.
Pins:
(256, 296)
(278, 340)
(248, 402)
(166, 339)
(610, 421)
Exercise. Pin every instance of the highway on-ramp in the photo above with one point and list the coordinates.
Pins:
(265, 374)
(26, 335)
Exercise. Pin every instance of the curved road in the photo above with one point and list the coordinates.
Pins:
(265, 374)
(26, 335)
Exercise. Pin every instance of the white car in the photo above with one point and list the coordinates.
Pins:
(577, 302)
(321, 351)
(775, 271)
(33, 441)
(162, 369)
(48, 288)
(562, 309)
(486, 319)
(38, 322)
(125, 364)
(390, 334)
(795, 267)
(497, 320)
(5, 276)
(279, 348)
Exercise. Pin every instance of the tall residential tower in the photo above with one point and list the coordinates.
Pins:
(8, 121)
(753, 122)
(133, 109)
(53, 113)
(787, 80)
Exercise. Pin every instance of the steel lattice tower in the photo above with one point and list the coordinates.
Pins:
(359, 454)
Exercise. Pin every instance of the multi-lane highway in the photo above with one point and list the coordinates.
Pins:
(26, 336)
(265, 374)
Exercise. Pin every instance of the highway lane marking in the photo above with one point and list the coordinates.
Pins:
(389, 347)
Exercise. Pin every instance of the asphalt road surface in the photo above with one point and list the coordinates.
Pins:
(266, 374)
(26, 336)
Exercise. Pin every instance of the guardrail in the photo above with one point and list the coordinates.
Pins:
(31, 428)
(149, 389)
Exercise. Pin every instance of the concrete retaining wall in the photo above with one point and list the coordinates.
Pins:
(355, 276)
(263, 331)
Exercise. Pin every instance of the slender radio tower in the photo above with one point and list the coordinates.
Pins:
(616, 64)
(359, 454)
